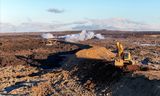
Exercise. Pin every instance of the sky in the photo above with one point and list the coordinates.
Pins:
(16, 12)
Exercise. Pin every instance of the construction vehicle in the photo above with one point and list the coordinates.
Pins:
(123, 58)
(49, 42)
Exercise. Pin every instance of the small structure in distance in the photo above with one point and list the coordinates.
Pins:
(49, 39)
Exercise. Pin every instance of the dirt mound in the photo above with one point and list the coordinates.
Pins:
(99, 53)
(94, 69)
(94, 53)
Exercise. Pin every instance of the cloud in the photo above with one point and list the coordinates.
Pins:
(56, 11)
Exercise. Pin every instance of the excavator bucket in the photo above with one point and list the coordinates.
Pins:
(119, 63)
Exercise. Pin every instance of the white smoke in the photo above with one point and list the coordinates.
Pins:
(47, 36)
(84, 35)
(99, 36)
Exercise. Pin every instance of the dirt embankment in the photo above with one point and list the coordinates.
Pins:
(28, 68)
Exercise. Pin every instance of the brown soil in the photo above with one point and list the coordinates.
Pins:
(99, 53)
(29, 67)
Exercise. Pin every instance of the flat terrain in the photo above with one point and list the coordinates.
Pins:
(29, 67)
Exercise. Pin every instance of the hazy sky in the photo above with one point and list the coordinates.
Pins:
(52, 15)
(18, 11)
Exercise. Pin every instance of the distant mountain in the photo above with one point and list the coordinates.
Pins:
(7, 27)
(117, 24)
(89, 24)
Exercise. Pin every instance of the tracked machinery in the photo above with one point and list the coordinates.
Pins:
(123, 58)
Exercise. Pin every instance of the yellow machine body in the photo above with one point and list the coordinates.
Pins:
(119, 63)
(122, 58)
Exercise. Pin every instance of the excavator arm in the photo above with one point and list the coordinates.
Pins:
(120, 50)
(119, 62)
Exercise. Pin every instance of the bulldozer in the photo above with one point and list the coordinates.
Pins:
(123, 58)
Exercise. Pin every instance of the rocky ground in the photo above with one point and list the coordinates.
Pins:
(30, 68)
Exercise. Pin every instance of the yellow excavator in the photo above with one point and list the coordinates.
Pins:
(123, 58)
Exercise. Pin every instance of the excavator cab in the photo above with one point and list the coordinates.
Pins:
(127, 58)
